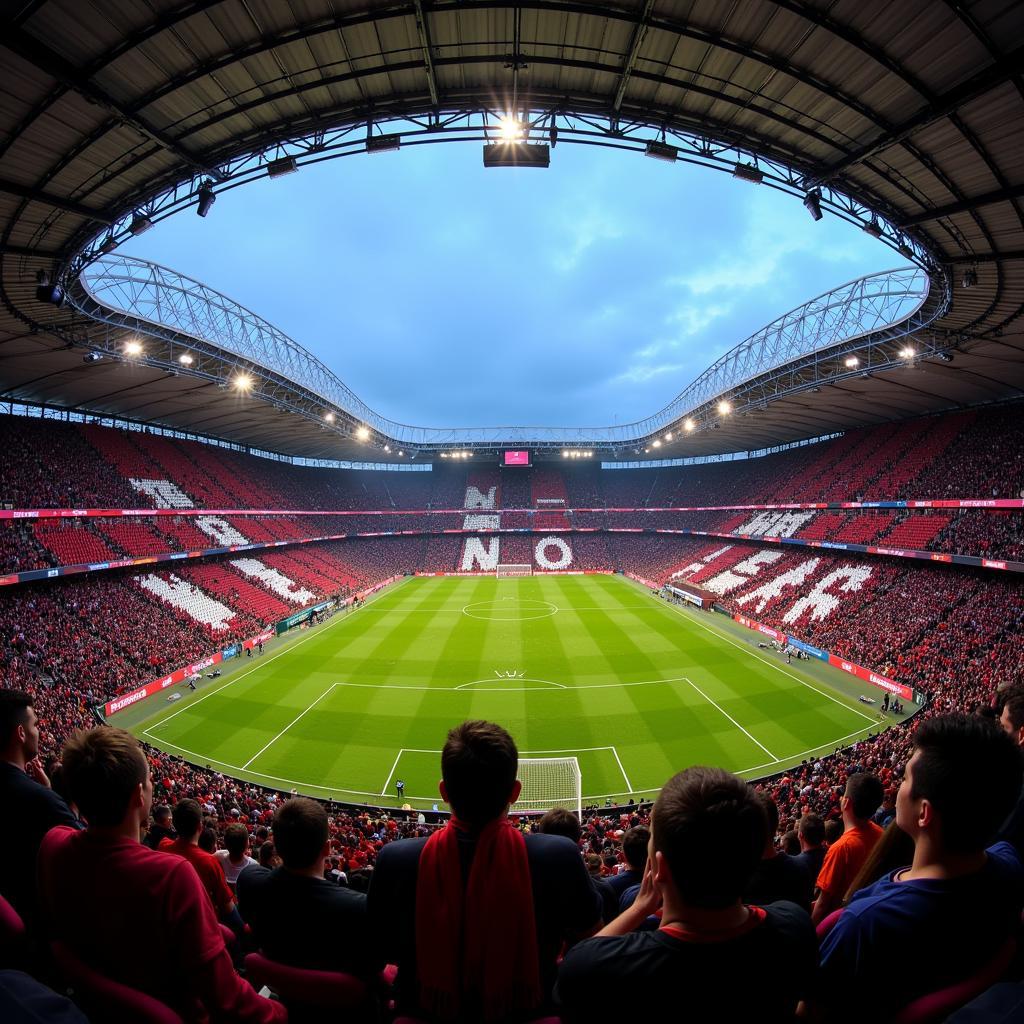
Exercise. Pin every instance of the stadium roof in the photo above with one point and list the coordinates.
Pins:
(914, 111)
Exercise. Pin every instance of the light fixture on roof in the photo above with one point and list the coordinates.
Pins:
(133, 347)
(329, 417)
(908, 352)
(108, 245)
(47, 291)
(689, 426)
(662, 151)
(970, 278)
(387, 448)
(946, 357)
(383, 143)
(185, 359)
(510, 129)
(400, 454)
(812, 204)
(748, 172)
(873, 228)
(668, 436)
(285, 165)
(905, 250)
(363, 433)
(725, 407)
(655, 443)
(851, 362)
(140, 224)
(243, 382)
(206, 198)
(516, 154)
(553, 136)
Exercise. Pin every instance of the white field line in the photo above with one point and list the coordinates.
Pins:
(778, 668)
(629, 786)
(823, 746)
(392, 772)
(300, 715)
(287, 649)
(514, 689)
(734, 722)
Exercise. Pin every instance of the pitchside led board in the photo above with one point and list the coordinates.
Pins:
(515, 458)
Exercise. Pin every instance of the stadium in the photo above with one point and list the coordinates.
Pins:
(757, 653)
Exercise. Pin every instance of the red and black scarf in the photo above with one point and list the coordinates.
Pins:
(476, 947)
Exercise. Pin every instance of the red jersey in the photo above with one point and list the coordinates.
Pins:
(208, 868)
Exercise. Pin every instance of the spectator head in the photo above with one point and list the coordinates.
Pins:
(301, 834)
(771, 813)
(207, 840)
(236, 840)
(478, 771)
(162, 815)
(19, 727)
(862, 796)
(108, 778)
(708, 831)
(941, 797)
(268, 857)
(791, 843)
(811, 831)
(593, 863)
(1011, 717)
(560, 822)
(634, 846)
(188, 819)
(833, 830)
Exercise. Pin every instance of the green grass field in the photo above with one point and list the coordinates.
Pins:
(588, 666)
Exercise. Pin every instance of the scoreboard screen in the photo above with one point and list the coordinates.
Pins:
(515, 458)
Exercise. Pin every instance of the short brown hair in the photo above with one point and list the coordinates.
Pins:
(102, 767)
(560, 822)
(187, 817)
(711, 827)
(300, 832)
(479, 764)
(236, 839)
(812, 828)
(634, 846)
(865, 792)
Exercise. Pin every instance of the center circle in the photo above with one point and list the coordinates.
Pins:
(507, 610)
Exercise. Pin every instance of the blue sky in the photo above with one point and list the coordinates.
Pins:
(444, 294)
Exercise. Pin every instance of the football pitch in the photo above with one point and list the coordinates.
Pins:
(592, 667)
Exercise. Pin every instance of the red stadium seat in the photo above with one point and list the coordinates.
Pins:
(327, 990)
(12, 935)
(105, 999)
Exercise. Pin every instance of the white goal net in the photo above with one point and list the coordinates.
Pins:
(549, 782)
(509, 569)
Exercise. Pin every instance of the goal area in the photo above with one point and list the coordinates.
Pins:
(549, 782)
(510, 569)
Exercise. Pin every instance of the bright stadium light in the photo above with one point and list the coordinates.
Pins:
(387, 448)
(724, 407)
(400, 454)
(656, 444)
(668, 436)
(185, 359)
(509, 129)
(329, 417)
(851, 362)
(689, 426)
(363, 433)
(907, 352)
(243, 382)
(133, 348)
(565, 453)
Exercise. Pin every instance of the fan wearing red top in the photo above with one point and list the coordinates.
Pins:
(476, 915)
(713, 957)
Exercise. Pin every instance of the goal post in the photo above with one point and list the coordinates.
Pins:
(510, 569)
(549, 782)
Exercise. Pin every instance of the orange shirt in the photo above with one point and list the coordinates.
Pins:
(208, 868)
(845, 857)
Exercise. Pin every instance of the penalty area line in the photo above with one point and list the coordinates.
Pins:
(288, 726)
(749, 735)
(618, 761)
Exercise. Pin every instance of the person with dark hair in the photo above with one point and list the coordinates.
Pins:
(777, 875)
(844, 858)
(810, 831)
(634, 853)
(31, 807)
(833, 831)
(234, 858)
(475, 916)
(188, 820)
(161, 829)
(947, 914)
(297, 916)
(101, 887)
(708, 831)
(560, 822)
(1011, 719)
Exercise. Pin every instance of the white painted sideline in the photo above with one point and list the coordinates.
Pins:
(775, 759)
(288, 726)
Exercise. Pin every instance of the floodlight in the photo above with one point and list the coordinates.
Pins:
(851, 361)
(668, 436)
(907, 352)
(140, 224)
(243, 382)
(286, 165)
(904, 250)
(748, 172)
(662, 151)
(812, 203)
(509, 128)
(873, 228)
(206, 198)
(946, 357)
(133, 348)
(383, 143)
(363, 433)
(400, 454)
(970, 278)
(725, 407)
(185, 359)
(655, 444)
(329, 417)
(387, 448)
(516, 154)
(92, 357)
(689, 425)
(108, 245)
(565, 454)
